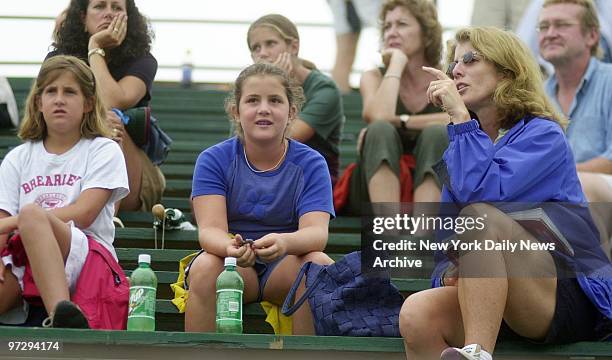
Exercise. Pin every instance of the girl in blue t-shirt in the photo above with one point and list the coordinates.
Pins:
(263, 186)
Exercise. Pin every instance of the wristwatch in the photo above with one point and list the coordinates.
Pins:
(98, 51)
(404, 118)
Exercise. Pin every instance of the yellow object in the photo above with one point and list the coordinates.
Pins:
(180, 294)
(282, 325)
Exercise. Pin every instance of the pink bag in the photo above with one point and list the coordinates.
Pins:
(102, 290)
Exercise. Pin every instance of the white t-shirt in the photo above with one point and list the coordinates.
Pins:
(29, 174)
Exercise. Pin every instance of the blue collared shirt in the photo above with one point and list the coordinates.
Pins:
(590, 128)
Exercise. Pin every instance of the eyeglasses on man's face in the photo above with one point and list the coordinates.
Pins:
(560, 25)
(467, 58)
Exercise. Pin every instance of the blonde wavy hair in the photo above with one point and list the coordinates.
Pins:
(588, 20)
(284, 27)
(426, 14)
(520, 92)
(33, 126)
(294, 92)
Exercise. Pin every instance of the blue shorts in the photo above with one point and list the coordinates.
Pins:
(263, 270)
(576, 318)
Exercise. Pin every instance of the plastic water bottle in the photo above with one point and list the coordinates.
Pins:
(229, 299)
(143, 290)
(187, 69)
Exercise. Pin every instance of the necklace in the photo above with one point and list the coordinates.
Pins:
(273, 167)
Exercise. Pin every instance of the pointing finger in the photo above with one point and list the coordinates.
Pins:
(435, 72)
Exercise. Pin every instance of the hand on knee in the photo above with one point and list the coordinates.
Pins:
(31, 215)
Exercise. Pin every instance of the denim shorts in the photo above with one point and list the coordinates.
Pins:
(263, 270)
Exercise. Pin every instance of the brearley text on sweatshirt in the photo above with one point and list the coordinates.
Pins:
(50, 180)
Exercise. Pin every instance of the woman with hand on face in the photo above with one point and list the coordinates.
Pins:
(401, 121)
(507, 146)
(115, 38)
(274, 39)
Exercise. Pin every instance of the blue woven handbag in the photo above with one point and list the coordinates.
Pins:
(345, 302)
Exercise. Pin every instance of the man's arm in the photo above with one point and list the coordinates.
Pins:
(596, 165)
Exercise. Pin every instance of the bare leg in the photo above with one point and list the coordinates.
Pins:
(599, 196)
(426, 200)
(346, 48)
(428, 191)
(595, 188)
(280, 282)
(10, 294)
(430, 322)
(46, 240)
(491, 283)
(134, 169)
(384, 186)
(201, 303)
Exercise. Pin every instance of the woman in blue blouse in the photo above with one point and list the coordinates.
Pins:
(506, 145)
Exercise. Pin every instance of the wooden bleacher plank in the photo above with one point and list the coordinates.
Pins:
(165, 306)
(164, 345)
(166, 259)
(145, 219)
(161, 344)
(165, 278)
(144, 238)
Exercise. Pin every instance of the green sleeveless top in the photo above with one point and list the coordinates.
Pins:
(401, 109)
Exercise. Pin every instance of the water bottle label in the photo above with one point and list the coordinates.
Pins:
(142, 302)
(229, 304)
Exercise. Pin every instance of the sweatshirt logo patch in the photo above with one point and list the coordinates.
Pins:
(51, 201)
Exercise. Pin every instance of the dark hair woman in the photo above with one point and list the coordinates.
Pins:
(115, 38)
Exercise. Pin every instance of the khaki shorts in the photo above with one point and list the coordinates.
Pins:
(152, 184)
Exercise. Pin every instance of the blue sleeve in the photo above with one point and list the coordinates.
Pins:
(480, 172)
(209, 173)
(317, 193)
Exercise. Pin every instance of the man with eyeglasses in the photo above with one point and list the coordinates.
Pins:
(581, 87)
(528, 27)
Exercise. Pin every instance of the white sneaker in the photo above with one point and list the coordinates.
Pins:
(467, 353)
